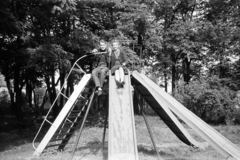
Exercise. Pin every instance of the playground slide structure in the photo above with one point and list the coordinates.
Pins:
(122, 136)
(214, 138)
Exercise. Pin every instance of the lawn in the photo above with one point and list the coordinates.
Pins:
(16, 143)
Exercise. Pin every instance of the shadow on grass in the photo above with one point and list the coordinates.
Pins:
(14, 135)
(11, 135)
(93, 148)
(96, 119)
(16, 138)
(150, 112)
(147, 151)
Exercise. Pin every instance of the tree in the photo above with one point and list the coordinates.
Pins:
(178, 35)
(28, 25)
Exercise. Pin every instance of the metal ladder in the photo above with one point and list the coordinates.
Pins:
(72, 115)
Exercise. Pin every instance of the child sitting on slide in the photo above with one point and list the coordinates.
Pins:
(99, 73)
(118, 63)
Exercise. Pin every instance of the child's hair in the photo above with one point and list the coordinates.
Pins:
(115, 41)
(102, 41)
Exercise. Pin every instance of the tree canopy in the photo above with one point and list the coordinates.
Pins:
(179, 39)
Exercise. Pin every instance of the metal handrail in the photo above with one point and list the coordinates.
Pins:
(74, 65)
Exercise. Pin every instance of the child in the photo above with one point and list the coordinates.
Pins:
(99, 73)
(118, 61)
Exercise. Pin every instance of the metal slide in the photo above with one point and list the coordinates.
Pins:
(122, 136)
(229, 150)
(71, 115)
(151, 97)
(64, 125)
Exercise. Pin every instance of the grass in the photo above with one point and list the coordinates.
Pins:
(16, 144)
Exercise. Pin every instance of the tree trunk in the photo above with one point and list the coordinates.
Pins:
(9, 87)
(36, 106)
(53, 97)
(165, 78)
(62, 99)
(52, 94)
(29, 92)
(17, 105)
(186, 69)
(140, 43)
(70, 87)
(135, 103)
(45, 98)
(173, 77)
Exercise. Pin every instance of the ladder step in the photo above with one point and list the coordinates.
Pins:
(71, 117)
(86, 92)
(76, 111)
(80, 104)
(54, 145)
(61, 139)
(61, 134)
(74, 116)
(66, 129)
(67, 124)
(80, 99)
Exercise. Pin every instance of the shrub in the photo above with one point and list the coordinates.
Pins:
(39, 93)
(4, 102)
(236, 117)
(208, 99)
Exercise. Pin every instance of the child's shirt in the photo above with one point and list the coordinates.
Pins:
(102, 59)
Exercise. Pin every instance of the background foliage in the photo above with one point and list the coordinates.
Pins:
(191, 41)
(209, 99)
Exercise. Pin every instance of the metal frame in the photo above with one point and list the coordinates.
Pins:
(105, 124)
(82, 125)
(65, 110)
(140, 101)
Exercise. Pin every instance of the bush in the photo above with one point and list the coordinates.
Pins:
(4, 102)
(39, 93)
(208, 99)
(236, 117)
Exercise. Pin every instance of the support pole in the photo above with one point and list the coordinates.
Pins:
(151, 135)
(81, 128)
(140, 102)
(105, 124)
